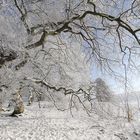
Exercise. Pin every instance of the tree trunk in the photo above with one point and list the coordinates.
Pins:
(17, 103)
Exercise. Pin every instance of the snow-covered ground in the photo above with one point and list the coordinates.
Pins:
(47, 123)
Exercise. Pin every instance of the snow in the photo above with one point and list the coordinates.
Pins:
(47, 123)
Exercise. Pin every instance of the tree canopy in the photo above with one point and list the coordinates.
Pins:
(54, 43)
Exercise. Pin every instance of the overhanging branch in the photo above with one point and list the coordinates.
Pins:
(65, 25)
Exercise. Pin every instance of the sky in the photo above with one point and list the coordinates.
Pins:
(116, 84)
(133, 75)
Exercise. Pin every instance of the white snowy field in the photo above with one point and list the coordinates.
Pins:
(47, 123)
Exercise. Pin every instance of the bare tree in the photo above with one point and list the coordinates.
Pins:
(45, 35)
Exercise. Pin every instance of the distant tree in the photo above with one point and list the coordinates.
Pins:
(0, 105)
(102, 91)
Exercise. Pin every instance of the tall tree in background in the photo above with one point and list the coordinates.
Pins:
(102, 91)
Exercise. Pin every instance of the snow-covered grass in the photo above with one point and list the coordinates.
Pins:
(47, 123)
